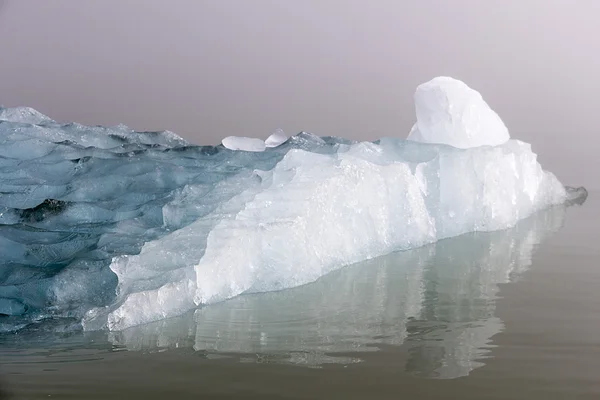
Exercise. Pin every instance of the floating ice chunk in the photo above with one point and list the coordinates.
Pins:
(277, 138)
(243, 143)
(450, 112)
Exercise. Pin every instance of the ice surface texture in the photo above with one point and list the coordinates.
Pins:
(114, 228)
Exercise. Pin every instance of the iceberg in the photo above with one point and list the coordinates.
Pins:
(112, 228)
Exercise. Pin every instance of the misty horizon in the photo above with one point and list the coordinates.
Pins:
(210, 69)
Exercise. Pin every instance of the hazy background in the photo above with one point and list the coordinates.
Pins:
(208, 69)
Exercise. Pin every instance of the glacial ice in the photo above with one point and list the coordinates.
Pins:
(277, 138)
(450, 112)
(114, 228)
(243, 143)
(24, 115)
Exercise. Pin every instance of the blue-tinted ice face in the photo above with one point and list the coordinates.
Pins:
(75, 197)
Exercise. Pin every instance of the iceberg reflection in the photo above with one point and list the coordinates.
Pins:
(437, 301)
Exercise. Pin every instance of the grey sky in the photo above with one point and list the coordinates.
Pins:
(208, 69)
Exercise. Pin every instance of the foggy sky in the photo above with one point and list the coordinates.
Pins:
(208, 69)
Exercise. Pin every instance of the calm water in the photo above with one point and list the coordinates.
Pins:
(503, 315)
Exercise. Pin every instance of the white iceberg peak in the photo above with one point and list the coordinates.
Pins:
(450, 112)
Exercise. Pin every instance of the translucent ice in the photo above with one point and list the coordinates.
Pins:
(243, 143)
(116, 228)
(277, 138)
(450, 112)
